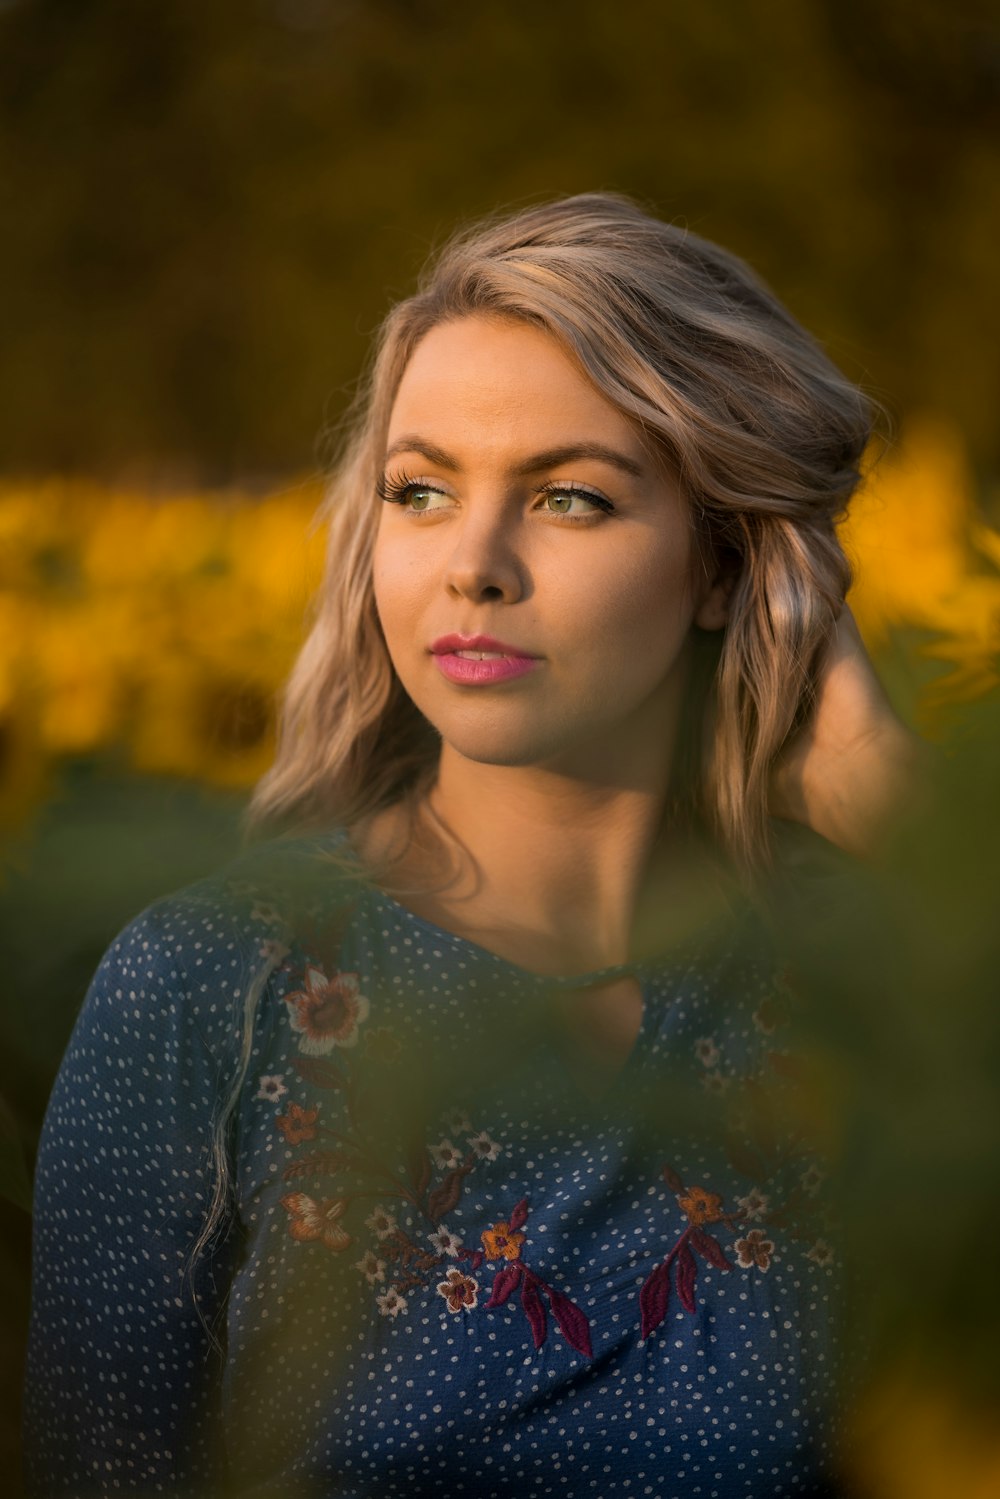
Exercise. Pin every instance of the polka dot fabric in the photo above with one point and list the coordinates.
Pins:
(445, 1270)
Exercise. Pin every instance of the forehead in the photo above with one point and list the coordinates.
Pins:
(505, 387)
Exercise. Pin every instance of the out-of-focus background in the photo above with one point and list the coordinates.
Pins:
(209, 209)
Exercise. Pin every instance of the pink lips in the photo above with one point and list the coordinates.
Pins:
(497, 663)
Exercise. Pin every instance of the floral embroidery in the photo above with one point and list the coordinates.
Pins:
(570, 1320)
(754, 1205)
(271, 1087)
(502, 1241)
(482, 1146)
(371, 1267)
(390, 1303)
(821, 1254)
(298, 1124)
(755, 1249)
(445, 1242)
(445, 1154)
(699, 1206)
(381, 1223)
(327, 1012)
(327, 1015)
(459, 1290)
(812, 1179)
(317, 1220)
(706, 1051)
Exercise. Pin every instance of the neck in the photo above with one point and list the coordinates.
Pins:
(543, 864)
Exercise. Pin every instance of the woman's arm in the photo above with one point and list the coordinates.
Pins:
(122, 1373)
(855, 767)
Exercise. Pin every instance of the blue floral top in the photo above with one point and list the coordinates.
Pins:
(443, 1269)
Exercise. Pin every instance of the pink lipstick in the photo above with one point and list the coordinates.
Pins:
(479, 660)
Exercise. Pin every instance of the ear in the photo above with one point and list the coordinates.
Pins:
(712, 612)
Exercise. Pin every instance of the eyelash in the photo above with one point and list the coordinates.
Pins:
(396, 491)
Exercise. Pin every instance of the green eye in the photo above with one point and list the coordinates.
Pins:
(424, 500)
(561, 502)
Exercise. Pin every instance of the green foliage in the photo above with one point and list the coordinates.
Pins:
(899, 963)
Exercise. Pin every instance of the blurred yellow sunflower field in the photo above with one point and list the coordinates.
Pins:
(162, 628)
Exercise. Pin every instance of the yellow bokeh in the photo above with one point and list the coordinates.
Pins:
(166, 625)
(924, 557)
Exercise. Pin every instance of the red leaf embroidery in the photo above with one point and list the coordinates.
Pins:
(687, 1274)
(672, 1180)
(506, 1280)
(572, 1323)
(327, 1161)
(444, 1199)
(320, 1073)
(653, 1298)
(534, 1310)
(710, 1249)
(519, 1216)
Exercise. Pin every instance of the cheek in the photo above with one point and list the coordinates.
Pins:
(650, 600)
(392, 586)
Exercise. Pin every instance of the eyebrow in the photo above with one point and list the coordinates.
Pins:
(550, 458)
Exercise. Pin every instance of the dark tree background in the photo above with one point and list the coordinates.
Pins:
(210, 205)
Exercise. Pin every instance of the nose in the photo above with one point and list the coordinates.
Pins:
(485, 565)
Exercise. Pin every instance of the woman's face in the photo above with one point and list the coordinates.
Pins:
(519, 505)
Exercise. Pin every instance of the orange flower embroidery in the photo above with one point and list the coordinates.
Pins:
(459, 1290)
(327, 1012)
(500, 1241)
(317, 1220)
(701, 1206)
(298, 1124)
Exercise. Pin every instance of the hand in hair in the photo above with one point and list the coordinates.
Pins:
(854, 767)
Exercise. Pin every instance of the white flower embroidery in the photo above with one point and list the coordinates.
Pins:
(714, 1082)
(457, 1122)
(812, 1179)
(390, 1303)
(445, 1242)
(482, 1146)
(821, 1254)
(445, 1154)
(271, 1087)
(371, 1267)
(753, 1205)
(381, 1223)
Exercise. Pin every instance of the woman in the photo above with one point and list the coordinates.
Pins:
(422, 1152)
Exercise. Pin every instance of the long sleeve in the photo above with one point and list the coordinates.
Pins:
(122, 1371)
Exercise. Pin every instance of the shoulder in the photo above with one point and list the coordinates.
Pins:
(187, 959)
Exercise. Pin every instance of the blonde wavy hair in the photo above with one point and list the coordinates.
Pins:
(763, 433)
